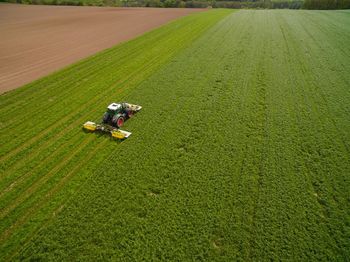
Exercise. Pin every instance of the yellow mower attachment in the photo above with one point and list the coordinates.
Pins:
(120, 134)
(114, 117)
(115, 132)
(91, 126)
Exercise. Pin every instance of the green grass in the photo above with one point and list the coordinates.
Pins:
(241, 151)
(45, 156)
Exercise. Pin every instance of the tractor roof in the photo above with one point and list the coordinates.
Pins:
(114, 106)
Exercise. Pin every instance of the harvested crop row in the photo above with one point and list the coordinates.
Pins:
(241, 153)
(93, 78)
(49, 37)
(49, 144)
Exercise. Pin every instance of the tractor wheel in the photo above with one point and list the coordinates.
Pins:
(118, 121)
(105, 118)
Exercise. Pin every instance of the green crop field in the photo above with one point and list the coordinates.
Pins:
(241, 150)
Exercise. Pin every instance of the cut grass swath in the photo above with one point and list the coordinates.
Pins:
(241, 154)
(48, 156)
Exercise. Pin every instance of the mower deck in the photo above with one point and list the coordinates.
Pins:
(115, 132)
(112, 127)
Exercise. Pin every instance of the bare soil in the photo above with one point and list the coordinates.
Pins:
(37, 40)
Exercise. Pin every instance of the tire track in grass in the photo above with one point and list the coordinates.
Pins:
(33, 223)
(306, 112)
(328, 47)
(133, 48)
(33, 209)
(40, 183)
(137, 49)
(193, 211)
(248, 183)
(262, 83)
(30, 173)
(324, 67)
(313, 97)
(43, 179)
(296, 184)
(178, 112)
(12, 184)
(82, 108)
(38, 206)
(107, 92)
(89, 65)
(185, 105)
(316, 162)
(52, 180)
(51, 140)
(274, 237)
(83, 118)
(180, 43)
(51, 156)
(179, 106)
(282, 172)
(126, 81)
(245, 90)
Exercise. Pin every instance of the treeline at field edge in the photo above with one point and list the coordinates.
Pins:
(253, 4)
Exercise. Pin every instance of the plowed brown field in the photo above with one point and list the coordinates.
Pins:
(37, 40)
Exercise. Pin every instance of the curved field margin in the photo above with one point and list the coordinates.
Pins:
(48, 158)
(38, 40)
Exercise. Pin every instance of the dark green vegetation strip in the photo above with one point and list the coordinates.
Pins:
(45, 157)
(240, 153)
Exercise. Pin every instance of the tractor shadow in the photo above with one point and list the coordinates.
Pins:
(103, 135)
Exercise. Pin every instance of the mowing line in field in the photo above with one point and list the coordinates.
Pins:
(84, 105)
(79, 121)
(196, 27)
(85, 109)
(245, 163)
(31, 170)
(20, 210)
(42, 180)
(52, 191)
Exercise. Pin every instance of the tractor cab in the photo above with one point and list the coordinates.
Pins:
(116, 114)
(114, 108)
